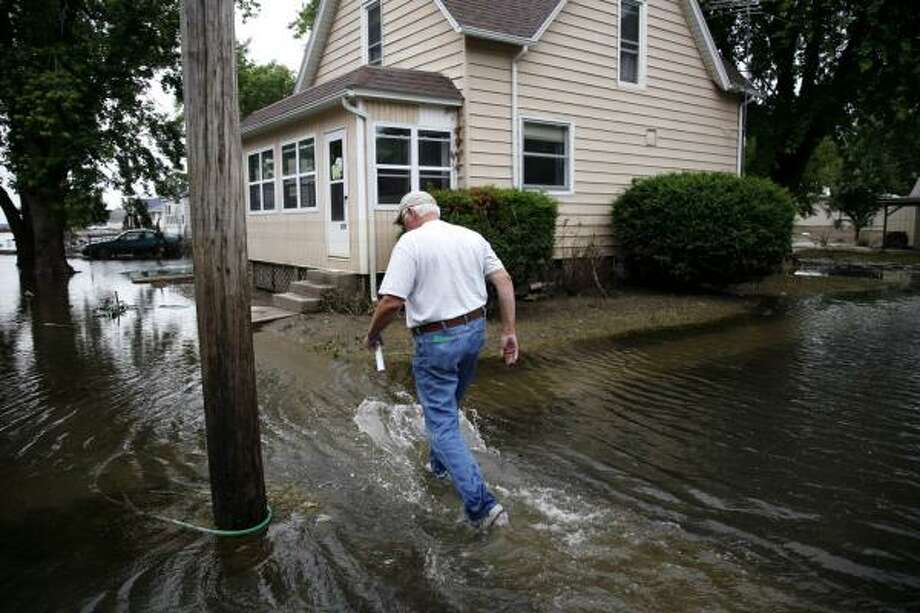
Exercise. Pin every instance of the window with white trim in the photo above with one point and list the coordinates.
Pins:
(409, 159)
(298, 175)
(262, 181)
(632, 41)
(373, 33)
(434, 160)
(546, 155)
(394, 164)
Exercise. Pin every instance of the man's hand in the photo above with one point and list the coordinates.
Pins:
(371, 342)
(509, 348)
(387, 308)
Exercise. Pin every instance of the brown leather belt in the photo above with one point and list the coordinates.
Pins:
(450, 323)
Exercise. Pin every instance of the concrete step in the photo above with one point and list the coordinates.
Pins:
(309, 289)
(296, 303)
(344, 280)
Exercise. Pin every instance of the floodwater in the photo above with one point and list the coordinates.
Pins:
(768, 464)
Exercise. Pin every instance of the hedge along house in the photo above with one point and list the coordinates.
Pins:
(575, 98)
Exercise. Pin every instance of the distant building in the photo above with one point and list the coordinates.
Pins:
(170, 216)
(7, 244)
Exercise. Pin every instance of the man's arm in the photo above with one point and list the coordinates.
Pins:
(505, 288)
(387, 308)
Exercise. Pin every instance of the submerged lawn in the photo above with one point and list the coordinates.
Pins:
(899, 257)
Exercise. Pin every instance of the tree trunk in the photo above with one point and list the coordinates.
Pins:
(222, 287)
(50, 259)
(20, 222)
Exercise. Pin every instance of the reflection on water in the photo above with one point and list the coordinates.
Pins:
(771, 464)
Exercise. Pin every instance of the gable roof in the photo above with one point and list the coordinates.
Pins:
(515, 21)
(725, 74)
(367, 81)
(522, 22)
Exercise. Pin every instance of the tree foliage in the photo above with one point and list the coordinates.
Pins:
(73, 75)
(822, 66)
(306, 17)
(261, 84)
(74, 118)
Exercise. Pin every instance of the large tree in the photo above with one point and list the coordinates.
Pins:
(822, 65)
(74, 117)
(77, 118)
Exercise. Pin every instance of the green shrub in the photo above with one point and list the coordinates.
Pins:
(520, 225)
(703, 228)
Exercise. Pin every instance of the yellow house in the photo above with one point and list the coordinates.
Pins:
(575, 98)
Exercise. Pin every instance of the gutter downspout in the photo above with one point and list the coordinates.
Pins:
(367, 231)
(515, 123)
(742, 131)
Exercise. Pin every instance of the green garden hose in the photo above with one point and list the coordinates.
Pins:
(214, 531)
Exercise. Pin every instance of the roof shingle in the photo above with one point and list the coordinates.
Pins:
(519, 18)
(370, 78)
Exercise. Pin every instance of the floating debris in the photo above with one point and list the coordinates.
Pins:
(111, 307)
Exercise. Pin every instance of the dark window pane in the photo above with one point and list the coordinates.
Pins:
(402, 132)
(307, 192)
(255, 197)
(374, 29)
(268, 165)
(253, 167)
(433, 153)
(375, 55)
(289, 160)
(629, 66)
(337, 193)
(268, 196)
(307, 159)
(431, 181)
(629, 21)
(393, 151)
(544, 138)
(544, 171)
(540, 146)
(392, 185)
(289, 193)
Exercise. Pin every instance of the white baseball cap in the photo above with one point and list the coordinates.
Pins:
(413, 199)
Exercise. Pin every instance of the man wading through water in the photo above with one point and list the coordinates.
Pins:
(439, 271)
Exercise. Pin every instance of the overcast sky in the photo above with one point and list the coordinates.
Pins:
(269, 40)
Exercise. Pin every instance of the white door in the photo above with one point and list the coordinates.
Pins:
(337, 211)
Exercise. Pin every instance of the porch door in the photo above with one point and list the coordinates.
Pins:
(336, 174)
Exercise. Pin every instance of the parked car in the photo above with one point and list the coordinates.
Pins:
(136, 243)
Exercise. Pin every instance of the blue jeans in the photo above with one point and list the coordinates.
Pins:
(444, 365)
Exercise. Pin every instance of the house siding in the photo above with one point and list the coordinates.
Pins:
(487, 113)
(571, 76)
(342, 53)
(415, 36)
(299, 238)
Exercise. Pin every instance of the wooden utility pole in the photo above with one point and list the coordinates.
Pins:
(222, 289)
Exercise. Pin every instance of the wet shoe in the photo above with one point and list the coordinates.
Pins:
(497, 517)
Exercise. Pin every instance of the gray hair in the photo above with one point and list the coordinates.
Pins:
(422, 202)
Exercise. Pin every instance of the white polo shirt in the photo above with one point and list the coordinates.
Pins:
(440, 270)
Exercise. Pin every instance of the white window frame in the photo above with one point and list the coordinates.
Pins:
(643, 45)
(297, 175)
(365, 31)
(419, 169)
(261, 181)
(569, 188)
(414, 169)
